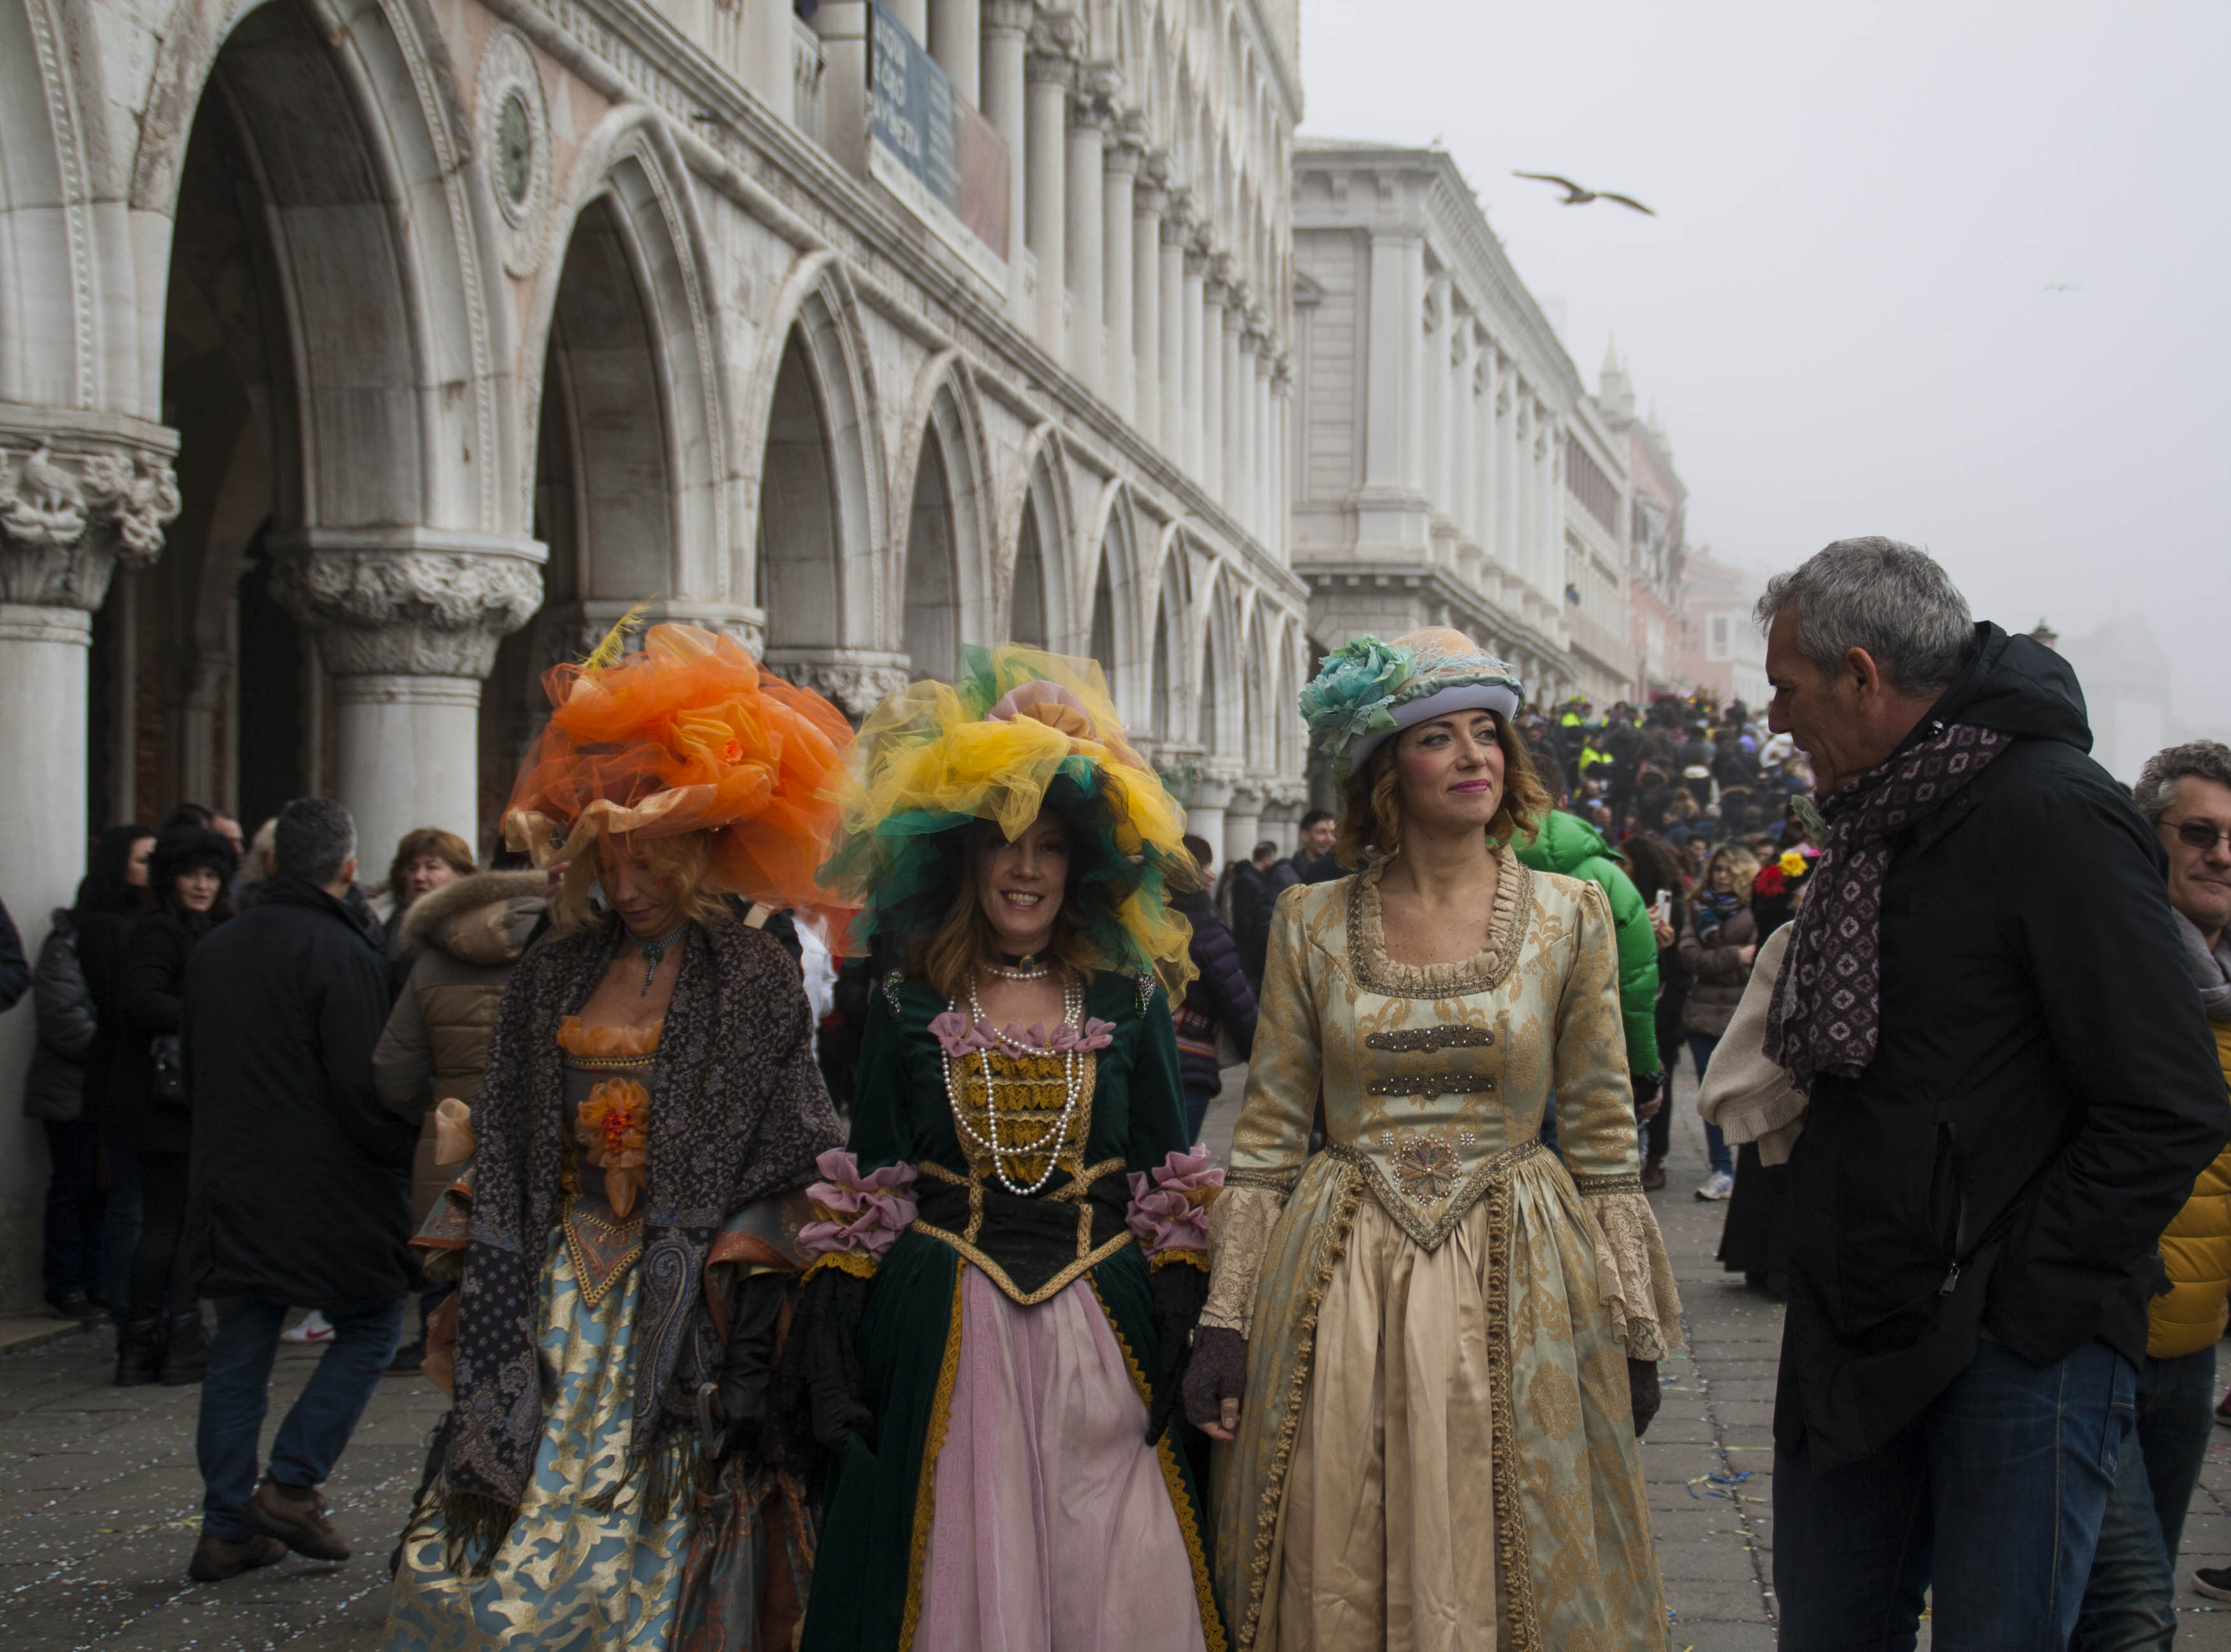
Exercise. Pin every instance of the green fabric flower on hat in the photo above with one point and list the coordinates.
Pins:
(1353, 693)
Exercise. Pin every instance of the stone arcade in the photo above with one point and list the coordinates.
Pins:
(360, 358)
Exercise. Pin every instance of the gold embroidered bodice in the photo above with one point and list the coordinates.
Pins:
(1027, 1094)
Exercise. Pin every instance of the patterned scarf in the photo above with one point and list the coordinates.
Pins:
(1827, 1011)
(732, 1121)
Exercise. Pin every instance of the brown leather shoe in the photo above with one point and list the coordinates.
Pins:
(1653, 1173)
(216, 1559)
(296, 1516)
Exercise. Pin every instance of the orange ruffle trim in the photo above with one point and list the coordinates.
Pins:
(608, 1043)
(689, 734)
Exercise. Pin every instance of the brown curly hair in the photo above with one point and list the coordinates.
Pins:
(1371, 807)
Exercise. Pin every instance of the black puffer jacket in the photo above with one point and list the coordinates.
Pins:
(2043, 1094)
(53, 1088)
(301, 1179)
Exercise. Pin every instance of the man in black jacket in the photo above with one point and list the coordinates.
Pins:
(2011, 1089)
(301, 1189)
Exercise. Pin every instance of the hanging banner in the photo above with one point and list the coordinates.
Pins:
(933, 151)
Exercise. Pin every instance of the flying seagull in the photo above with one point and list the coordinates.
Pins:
(1575, 196)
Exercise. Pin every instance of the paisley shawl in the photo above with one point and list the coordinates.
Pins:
(740, 1112)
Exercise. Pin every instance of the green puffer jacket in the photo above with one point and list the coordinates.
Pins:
(1569, 845)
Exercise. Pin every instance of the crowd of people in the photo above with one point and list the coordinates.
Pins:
(892, 1302)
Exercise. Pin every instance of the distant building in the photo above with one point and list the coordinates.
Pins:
(1723, 651)
(1656, 553)
(1449, 468)
(2126, 677)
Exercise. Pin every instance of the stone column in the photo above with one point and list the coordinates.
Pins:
(1007, 31)
(1180, 322)
(80, 493)
(842, 26)
(1213, 292)
(1266, 435)
(1246, 475)
(1231, 452)
(1089, 120)
(771, 51)
(407, 622)
(1205, 809)
(1127, 146)
(1433, 395)
(1243, 820)
(913, 17)
(1390, 446)
(1147, 199)
(954, 43)
(1464, 475)
(1050, 70)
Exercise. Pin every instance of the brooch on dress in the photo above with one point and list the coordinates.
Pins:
(1427, 1169)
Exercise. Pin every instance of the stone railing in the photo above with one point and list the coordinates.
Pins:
(806, 63)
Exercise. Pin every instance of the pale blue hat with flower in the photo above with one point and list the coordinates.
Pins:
(1367, 690)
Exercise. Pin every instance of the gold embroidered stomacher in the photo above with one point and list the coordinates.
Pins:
(1631, 1261)
(1240, 1224)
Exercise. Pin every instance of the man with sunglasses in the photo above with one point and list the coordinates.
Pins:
(2130, 1600)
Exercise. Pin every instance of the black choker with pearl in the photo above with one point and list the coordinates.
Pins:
(1020, 966)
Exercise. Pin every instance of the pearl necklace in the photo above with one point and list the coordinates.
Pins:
(1072, 1011)
(1030, 966)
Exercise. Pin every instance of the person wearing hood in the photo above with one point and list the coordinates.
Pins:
(463, 940)
(148, 1113)
(1568, 845)
(2131, 1600)
(2010, 1088)
(1218, 1000)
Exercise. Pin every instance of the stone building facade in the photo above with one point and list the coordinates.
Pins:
(1657, 511)
(361, 359)
(1449, 468)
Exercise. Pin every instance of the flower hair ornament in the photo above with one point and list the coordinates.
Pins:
(1018, 730)
(687, 734)
(1367, 690)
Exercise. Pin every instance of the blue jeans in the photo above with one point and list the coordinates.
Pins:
(237, 1392)
(1994, 1495)
(2130, 1602)
(1196, 1109)
(1701, 1046)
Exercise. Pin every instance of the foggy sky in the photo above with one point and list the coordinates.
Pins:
(1840, 313)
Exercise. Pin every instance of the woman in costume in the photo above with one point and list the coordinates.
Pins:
(1431, 1345)
(627, 1226)
(1016, 1230)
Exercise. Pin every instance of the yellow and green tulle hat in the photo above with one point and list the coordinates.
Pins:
(1018, 731)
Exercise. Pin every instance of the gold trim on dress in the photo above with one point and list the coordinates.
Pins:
(925, 1495)
(1078, 1189)
(1332, 1245)
(1212, 1621)
(1514, 1538)
(1483, 971)
(858, 1263)
(1399, 1204)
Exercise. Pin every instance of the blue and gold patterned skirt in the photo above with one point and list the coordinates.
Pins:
(567, 1577)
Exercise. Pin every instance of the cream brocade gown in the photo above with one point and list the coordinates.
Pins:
(1436, 1452)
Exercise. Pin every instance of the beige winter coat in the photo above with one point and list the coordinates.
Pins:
(466, 936)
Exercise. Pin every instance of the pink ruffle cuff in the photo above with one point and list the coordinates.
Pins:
(1169, 1204)
(955, 1032)
(857, 1212)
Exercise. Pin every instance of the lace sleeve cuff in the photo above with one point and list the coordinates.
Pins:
(1637, 1274)
(856, 1216)
(1239, 1225)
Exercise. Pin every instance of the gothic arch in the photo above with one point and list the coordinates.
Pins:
(379, 207)
(1121, 626)
(944, 480)
(627, 295)
(1220, 700)
(1043, 523)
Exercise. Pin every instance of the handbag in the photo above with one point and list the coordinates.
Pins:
(170, 1052)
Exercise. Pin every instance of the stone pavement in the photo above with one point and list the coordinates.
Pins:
(100, 1500)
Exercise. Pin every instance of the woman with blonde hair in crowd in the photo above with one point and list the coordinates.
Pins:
(1433, 1344)
(1719, 944)
(624, 1232)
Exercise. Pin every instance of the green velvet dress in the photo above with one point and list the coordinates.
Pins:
(1060, 1260)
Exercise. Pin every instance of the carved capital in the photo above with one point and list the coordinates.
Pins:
(74, 502)
(1006, 16)
(1056, 44)
(407, 601)
(855, 679)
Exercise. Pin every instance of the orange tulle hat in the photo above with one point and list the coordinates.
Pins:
(688, 734)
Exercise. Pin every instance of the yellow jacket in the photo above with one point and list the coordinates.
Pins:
(2197, 1249)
